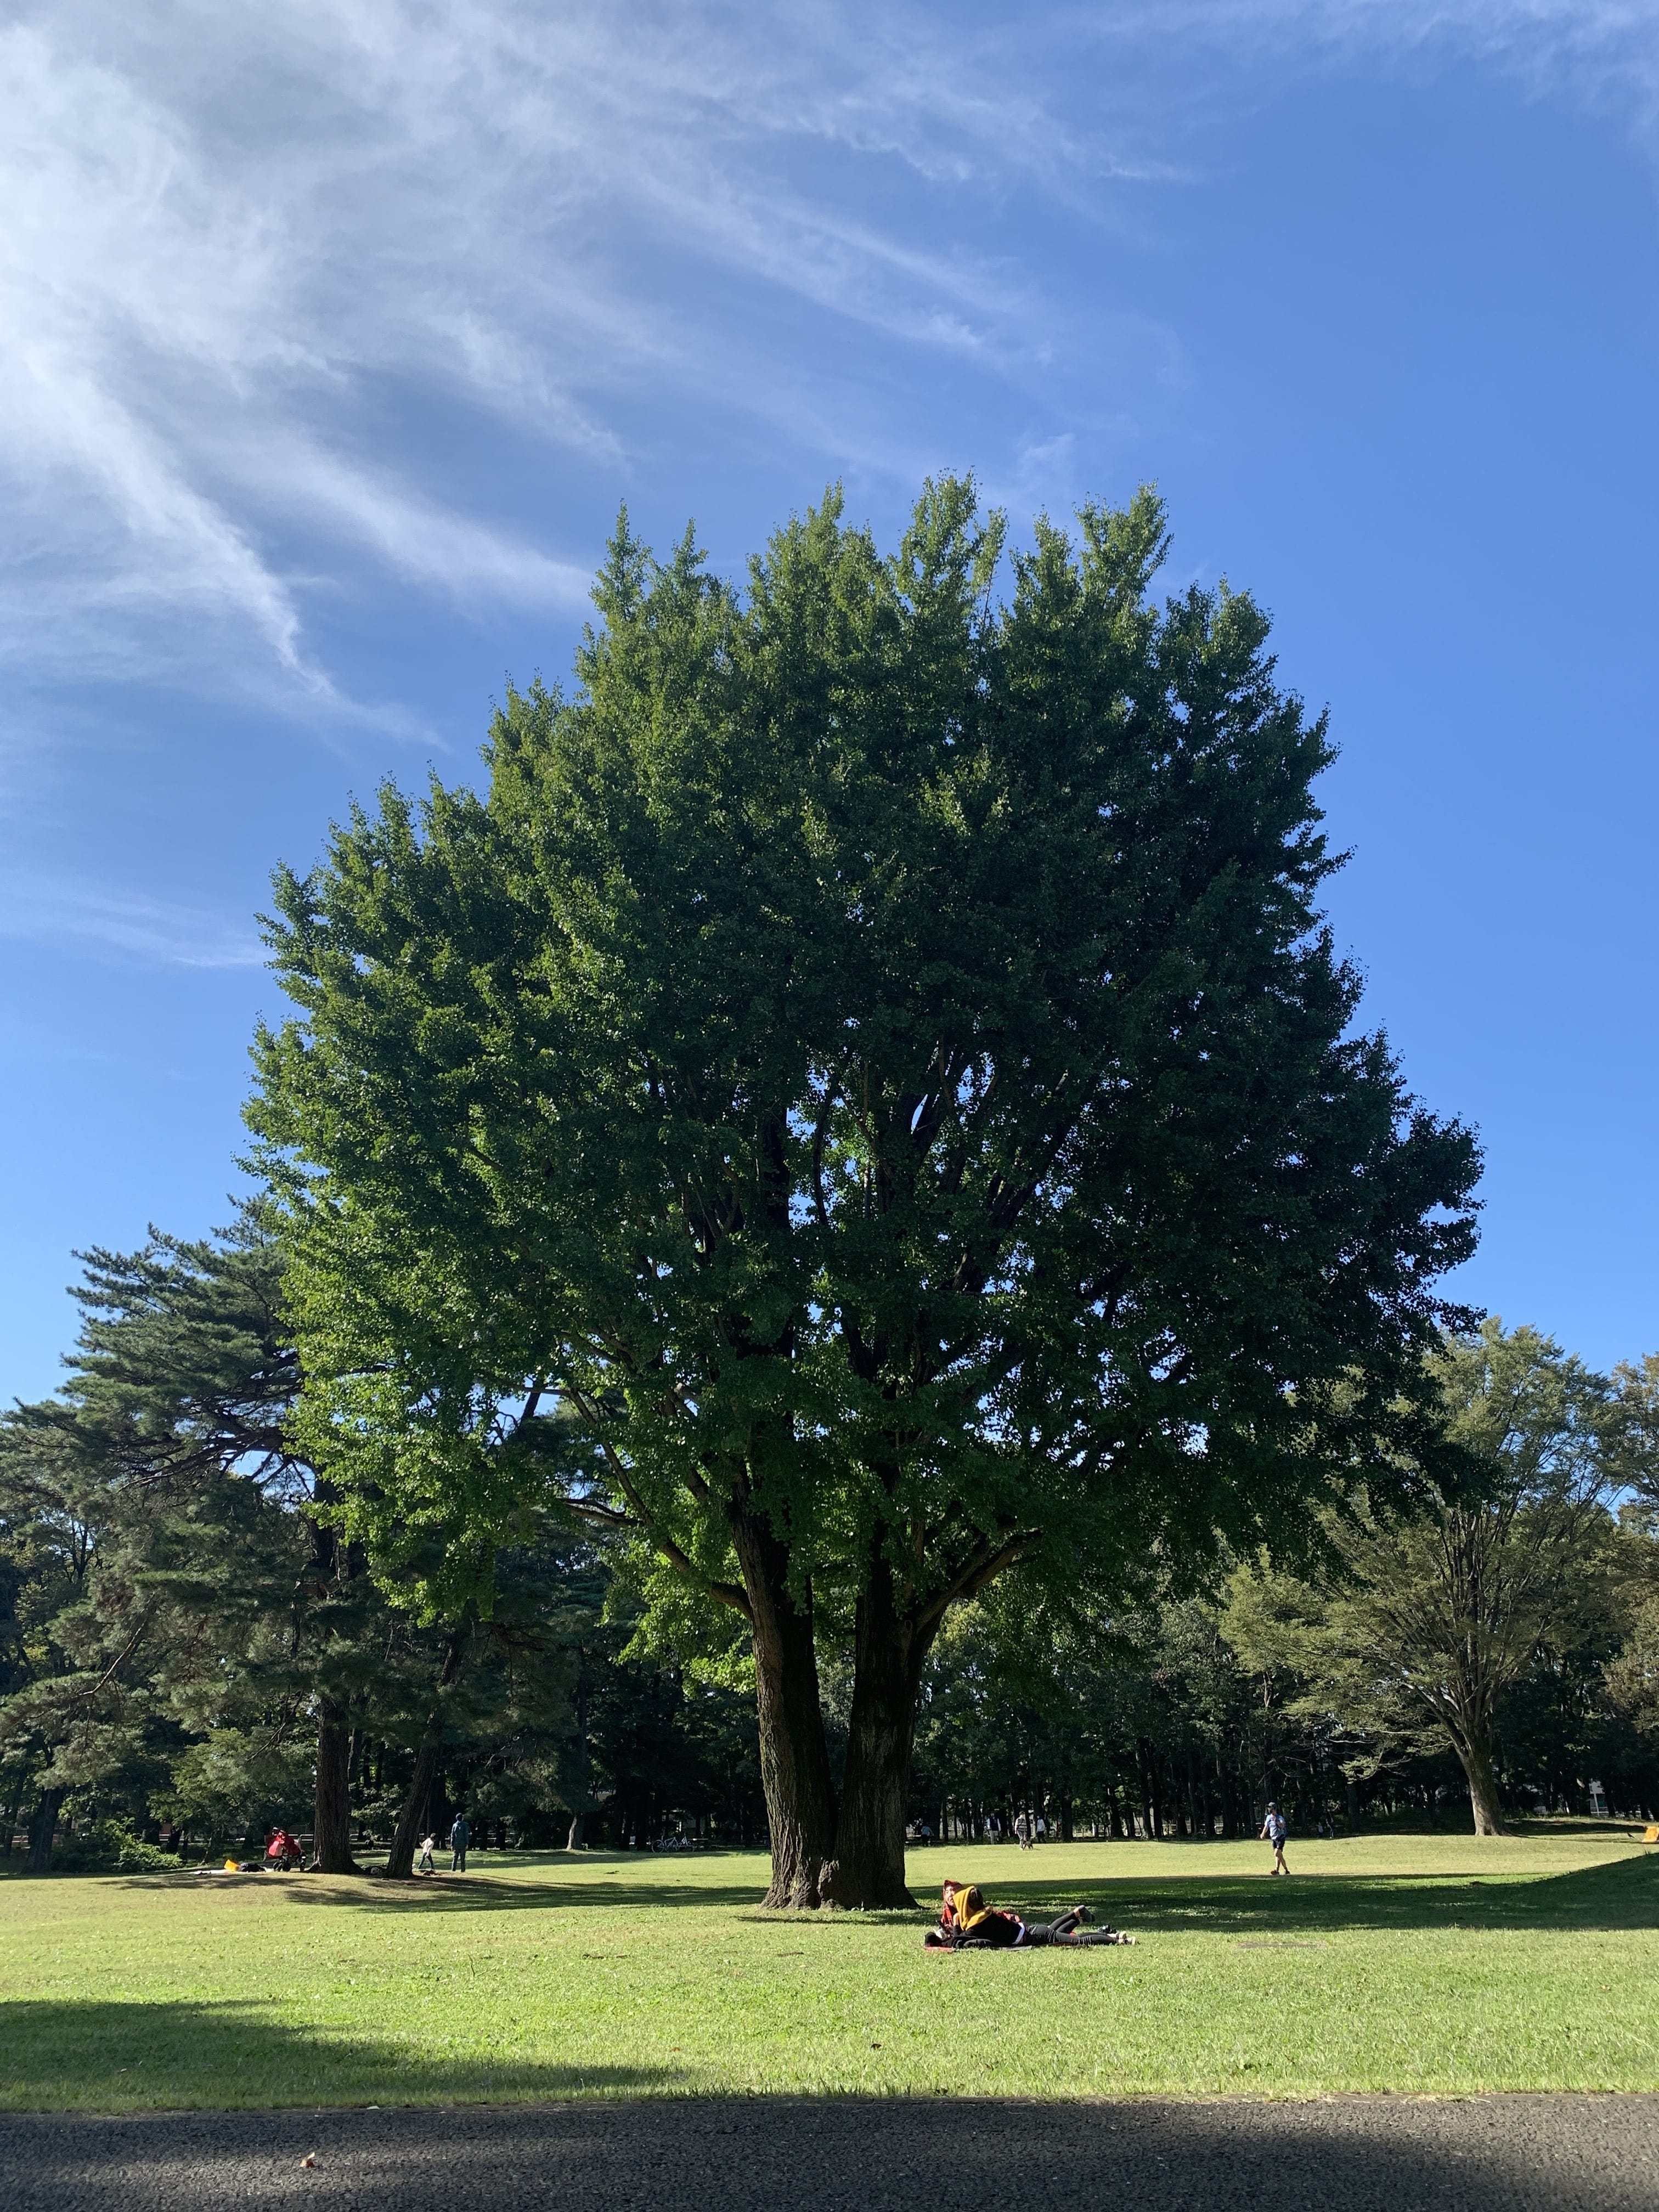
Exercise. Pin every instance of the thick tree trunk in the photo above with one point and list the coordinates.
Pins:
(800, 1794)
(1476, 1762)
(331, 1847)
(400, 1859)
(42, 1828)
(582, 1766)
(881, 1732)
(334, 1565)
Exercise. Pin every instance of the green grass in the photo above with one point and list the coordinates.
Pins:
(1423, 1964)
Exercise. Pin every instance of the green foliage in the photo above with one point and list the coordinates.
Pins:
(873, 1062)
(240, 1781)
(111, 1847)
(180, 1619)
(1508, 1625)
(1428, 1624)
(153, 1506)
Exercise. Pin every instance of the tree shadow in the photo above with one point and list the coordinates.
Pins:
(850, 2154)
(184, 2053)
(1621, 1894)
(467, 1892)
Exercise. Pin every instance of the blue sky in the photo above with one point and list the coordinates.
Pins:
(331, 336)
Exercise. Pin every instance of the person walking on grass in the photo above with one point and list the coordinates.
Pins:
(428, 1845)
(459, 1837)
(1274, 1829)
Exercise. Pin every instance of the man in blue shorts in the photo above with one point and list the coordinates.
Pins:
(1274, 1829)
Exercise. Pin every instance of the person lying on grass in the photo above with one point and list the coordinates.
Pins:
(968, 1924)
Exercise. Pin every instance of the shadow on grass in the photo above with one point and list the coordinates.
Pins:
(477, 1892)
(1623, 1894)
(61, 2054)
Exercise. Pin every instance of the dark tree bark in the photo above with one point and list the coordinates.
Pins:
(880, 1738)
(583, 1790)
(331, 1848)
(400, 1859)
(1475, 1755)
(42, 1828)
(333, 1564)
(800, 1794)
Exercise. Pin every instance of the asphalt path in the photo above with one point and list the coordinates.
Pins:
(846, 2154)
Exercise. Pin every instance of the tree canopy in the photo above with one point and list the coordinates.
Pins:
(1432, 1618)
(865, 1100)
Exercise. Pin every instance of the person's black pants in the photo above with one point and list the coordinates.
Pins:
(1063, 1930)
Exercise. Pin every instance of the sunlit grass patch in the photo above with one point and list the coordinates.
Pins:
(1427, 1965)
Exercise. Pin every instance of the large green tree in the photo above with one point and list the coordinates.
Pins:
(872, 1061)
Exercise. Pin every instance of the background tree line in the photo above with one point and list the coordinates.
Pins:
(188, 1647)
(1493, 1650)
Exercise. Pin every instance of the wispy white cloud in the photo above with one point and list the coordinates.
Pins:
(230, 230)
(67, 911)
(225, 225)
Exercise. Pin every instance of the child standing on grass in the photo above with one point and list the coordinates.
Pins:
(1274, 1829)
(428, 1844)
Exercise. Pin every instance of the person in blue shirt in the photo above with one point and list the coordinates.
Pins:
(1274, 1829)
(460, 1836)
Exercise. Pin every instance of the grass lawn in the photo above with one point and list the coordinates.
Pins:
(1427, 1965)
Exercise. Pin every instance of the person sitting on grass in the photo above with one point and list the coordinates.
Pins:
(282, 1851)
(968, 1923)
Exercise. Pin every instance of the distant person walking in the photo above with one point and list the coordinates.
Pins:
(428, 1845)
(460, 1836)
(1274, 1829)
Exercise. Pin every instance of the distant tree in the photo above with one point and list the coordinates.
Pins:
(188, 1624)
(874, 1063)
(48, 1536)
(1438, 1614)
(177, 1408)
(1633, 1671)
(163, 1464)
